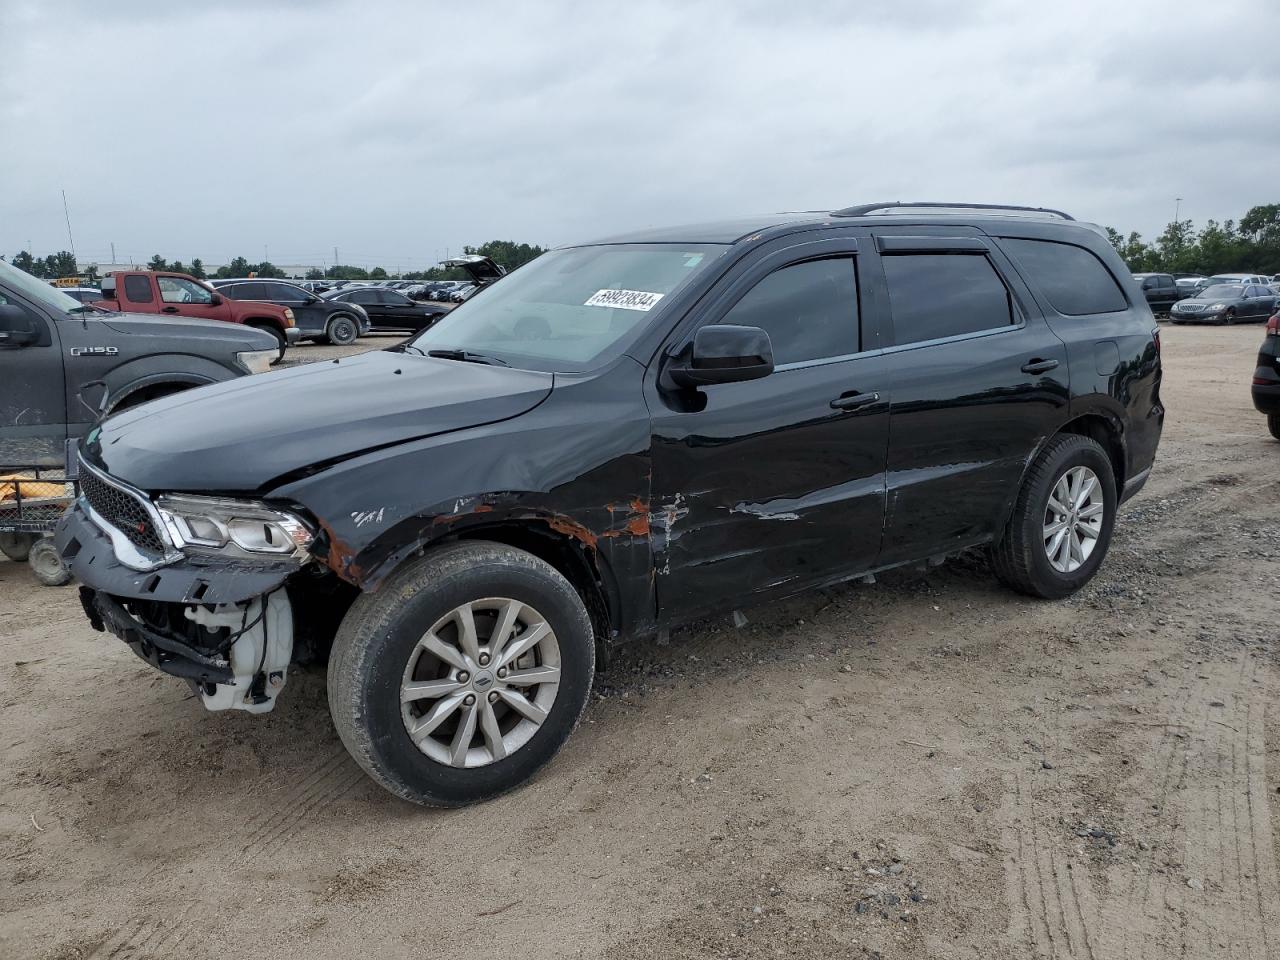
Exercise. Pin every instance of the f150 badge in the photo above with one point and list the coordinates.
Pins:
(95, 351)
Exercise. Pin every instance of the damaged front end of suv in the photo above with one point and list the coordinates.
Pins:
(195, 585)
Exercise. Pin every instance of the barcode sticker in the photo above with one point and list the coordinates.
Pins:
(624, 299)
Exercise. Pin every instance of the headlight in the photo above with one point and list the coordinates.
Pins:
(236, 529)
(257, 361)
(1217, 306)
(288, 316)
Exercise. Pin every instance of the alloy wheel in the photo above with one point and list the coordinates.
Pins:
(481, 682)
(1073, 519)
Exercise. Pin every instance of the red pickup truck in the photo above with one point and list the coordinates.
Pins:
(146, 291)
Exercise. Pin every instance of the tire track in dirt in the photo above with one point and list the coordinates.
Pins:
(265, 833)
(1206, 884)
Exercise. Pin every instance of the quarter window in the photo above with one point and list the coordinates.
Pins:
(1073, 280)
(935, 295)
(138, 289)
(809, 310)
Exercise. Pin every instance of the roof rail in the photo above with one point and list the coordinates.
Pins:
(862, 209)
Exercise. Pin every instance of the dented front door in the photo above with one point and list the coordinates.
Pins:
(777, 483)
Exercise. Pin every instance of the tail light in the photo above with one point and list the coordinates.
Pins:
(1273, 325)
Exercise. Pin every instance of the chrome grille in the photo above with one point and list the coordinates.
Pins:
(123, 511)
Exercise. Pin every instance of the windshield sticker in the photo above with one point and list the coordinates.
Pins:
(693, 259)
(624, 299)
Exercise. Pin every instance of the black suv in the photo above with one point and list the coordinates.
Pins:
(319, 319)
(616, 438)
(1161, 290)
(64, 365)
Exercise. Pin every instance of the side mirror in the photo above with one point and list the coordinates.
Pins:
(723, 353)
(17, 329)
(215, 300)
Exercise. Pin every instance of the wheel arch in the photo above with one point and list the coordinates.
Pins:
(1101, 426)
(274, 322)
(180, 381)
(1107, 431)
(560, 542)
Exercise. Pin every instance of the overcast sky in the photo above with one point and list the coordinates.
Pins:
(394, 130)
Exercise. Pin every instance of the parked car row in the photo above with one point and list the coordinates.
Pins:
(1226, 303)
(1163, 290)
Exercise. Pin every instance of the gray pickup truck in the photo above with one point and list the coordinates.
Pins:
(65, 365)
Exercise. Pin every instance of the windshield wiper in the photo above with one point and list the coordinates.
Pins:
(405, 348)
(467, 357)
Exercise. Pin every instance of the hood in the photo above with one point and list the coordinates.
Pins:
(482, 270)
(188, 329)
(240, 436)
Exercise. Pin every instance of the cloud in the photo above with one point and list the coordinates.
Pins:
(395, 130)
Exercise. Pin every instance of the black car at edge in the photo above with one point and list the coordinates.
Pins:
(616, 438)
(389, 309)
(1266, 376)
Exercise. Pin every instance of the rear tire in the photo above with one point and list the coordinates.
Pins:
(16, 546)
(1022, 557)
(342, 330)
(377, 652)
(47, 564)
(1273, 424)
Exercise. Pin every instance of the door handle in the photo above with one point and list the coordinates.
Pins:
(854, 401)
(169, 310)
(1039, 366)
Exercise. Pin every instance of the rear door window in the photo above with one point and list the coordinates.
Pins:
(810, 310)
(1073, 280)
(937, 295)
(137, 289)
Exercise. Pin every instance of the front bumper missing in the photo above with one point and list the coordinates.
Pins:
(165, 652)
(248, 602)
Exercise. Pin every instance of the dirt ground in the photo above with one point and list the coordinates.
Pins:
(929, 767)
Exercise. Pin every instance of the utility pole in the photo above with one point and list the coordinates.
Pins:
(335, 256)
(1177, 208)
(113, 251)
(67, 212)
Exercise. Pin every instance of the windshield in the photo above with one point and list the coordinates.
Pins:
(1222, 291)
(36, 289)
(569, 309)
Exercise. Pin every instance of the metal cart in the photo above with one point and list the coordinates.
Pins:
(32, 499)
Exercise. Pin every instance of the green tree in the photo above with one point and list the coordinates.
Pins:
(315, 274)
(238, 267)
(508, 253)
(377, 273)
(91, 273)
(267, 269)
(1176, 248)
(23, 260)
(177, 267)
(1136, 254)
(157, 262)
(342, 272)
(197, 269)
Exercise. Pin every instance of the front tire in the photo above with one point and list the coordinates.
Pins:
(1062, 520)
(342, 330)
(463, 675)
